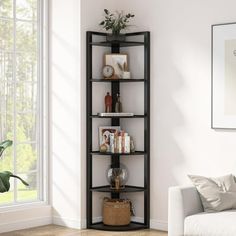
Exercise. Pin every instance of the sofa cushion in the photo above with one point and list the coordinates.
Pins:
(217, 194)
(211, 224)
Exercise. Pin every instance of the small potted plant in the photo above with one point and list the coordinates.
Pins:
(116, 22)
(6, 175)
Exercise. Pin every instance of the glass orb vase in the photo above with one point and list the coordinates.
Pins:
(117, 177)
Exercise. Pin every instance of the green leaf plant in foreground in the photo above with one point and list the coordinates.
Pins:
(5, 181)
(5, 144)
(6, 175)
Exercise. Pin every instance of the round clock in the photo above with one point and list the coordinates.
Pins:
(108, 71)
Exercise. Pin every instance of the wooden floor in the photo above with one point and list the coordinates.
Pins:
(53, 230)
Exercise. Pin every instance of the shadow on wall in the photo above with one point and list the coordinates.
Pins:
(166, 119)
(65, 125)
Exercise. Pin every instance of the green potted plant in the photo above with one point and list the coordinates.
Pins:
(6, 175)
(116, 22)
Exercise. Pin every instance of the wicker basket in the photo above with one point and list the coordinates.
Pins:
(116, 212)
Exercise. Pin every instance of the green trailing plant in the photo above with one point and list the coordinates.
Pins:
(116, 22)
(6, 175)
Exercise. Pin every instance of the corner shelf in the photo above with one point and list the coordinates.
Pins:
(132, 226)
(117, 43)
(136, 153)
(118, 117)
(114, 158)
(117, 80)
(127, 189)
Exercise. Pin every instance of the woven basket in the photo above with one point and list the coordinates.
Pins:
(116, 212)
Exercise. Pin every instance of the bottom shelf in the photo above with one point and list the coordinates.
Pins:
(131, 226)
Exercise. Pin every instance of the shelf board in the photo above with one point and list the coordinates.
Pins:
(131, 226)
(115, 117)
(127, 189)
(136, 153)
(117, 43)
(117, 80)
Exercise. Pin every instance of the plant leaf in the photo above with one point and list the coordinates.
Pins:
(23, 182)
(3, 145)
(106, 11)
(5, 181)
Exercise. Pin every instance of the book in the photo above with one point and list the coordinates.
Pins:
(119, 144)
(126, 143)
(122, 134)
(112, 142)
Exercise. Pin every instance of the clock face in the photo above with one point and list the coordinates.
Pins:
(108, 71)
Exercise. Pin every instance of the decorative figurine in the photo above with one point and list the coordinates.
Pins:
(132, 146)
(118, 106)
(108, 102)
(117, 183)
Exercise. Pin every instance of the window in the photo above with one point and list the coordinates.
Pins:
(21, 97)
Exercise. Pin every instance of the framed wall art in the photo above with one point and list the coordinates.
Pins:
(104, 137)
(119, 62)
(224, 76)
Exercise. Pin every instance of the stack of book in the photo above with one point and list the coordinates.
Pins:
(114, 140)
(119, 142)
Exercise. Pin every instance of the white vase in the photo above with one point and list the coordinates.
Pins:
(126, 75)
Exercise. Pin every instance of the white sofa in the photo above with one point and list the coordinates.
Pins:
(186, 216)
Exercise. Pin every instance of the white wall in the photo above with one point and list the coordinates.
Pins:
(65, 115)
(69, 21)
(181, 139)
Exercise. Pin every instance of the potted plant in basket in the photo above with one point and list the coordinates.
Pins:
(116, 22)
(6, 175)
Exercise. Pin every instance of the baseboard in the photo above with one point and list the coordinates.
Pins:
(158, 225)
(25, 224)
(68, 222)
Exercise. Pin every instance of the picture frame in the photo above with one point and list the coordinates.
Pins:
(119, 61)
(104, 137)
(223, 52)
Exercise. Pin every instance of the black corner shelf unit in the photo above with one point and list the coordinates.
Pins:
(115, 121)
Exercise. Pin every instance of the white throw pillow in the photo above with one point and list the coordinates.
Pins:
(217, 194)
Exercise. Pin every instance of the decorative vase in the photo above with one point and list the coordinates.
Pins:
(115, 37)
(126, 75)
(117, 177)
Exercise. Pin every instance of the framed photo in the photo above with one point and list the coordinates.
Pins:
(104, 137)
(119, 62)
(224, 76)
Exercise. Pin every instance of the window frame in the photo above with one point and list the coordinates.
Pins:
(43, 126)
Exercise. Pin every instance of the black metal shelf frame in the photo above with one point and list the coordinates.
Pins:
(127, 189)
(136, 153)
(115, 121)
(117, 80)
(132, 226)
(120, 117)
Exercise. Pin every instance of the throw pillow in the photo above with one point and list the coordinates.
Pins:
(217, 194)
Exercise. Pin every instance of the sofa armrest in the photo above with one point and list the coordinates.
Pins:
(183, 201)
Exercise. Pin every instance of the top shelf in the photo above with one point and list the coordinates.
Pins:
(132, 39)
(117, 43)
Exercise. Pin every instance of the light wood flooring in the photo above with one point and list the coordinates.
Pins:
(53, 230)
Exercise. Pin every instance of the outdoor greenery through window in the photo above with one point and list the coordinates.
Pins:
(20, 97)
